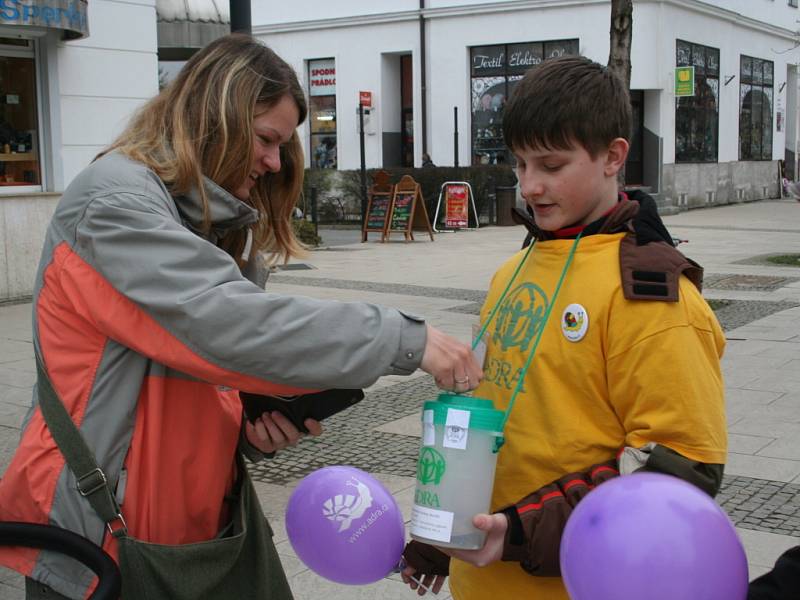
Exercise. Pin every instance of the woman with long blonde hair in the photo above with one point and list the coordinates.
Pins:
(150, 316)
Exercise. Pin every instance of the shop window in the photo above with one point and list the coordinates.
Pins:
(322, 113)
(495, 71)
(755, 109)
(697, 117)
(19, 152)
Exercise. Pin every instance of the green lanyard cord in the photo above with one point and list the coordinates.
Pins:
(502, 296)
(541, 330)
(497, 305)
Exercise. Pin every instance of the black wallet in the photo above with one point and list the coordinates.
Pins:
(297, 409)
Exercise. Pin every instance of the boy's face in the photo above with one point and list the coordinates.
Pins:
(569, 187)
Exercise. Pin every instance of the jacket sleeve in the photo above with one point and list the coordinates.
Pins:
(660, 459)
(664, 377)
(149, 283)
(537, 522)
(782, 582)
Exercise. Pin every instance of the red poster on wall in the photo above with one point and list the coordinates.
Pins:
(456, 206)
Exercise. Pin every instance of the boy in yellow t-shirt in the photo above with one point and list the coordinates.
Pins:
(626, 375)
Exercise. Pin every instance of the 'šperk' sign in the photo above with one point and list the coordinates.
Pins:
(68, 15)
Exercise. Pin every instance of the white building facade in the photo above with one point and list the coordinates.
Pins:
(72, 72)
(71, 75)
(434, 66)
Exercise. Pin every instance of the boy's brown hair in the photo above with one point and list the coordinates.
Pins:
(564, 101)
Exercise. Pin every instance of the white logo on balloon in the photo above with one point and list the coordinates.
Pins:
(344, 508)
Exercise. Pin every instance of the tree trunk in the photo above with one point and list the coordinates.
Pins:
(619, 55)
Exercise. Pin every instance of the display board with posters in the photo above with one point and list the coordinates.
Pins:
(458, 198)
(408, 210)
(456, 208)
(379, 206)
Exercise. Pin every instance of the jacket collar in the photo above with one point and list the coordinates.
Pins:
(635, 212)
(227, 212)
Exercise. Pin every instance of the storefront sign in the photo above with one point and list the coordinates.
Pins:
(322, 77)
(488, 60)
(522, 57)
(67, 15)
(516, 59)
(684, 81)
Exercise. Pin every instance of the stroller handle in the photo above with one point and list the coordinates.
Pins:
(50, 537)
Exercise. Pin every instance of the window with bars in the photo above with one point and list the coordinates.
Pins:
(697, 117)
(755, 108)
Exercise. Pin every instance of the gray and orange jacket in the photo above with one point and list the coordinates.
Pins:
(147, 330)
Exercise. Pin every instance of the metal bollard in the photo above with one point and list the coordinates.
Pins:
(314, 216)
(491, 197)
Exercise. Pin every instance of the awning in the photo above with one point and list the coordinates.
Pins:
(69, 16)
(185, 25)
(203, 11)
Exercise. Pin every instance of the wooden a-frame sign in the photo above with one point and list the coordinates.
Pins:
(379, 206)
(408, 210)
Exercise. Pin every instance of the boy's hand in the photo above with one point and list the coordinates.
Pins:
(273, 431)
(495, 525)
(424, 567)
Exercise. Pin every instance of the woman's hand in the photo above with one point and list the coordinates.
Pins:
(273, 431)
(452, 363)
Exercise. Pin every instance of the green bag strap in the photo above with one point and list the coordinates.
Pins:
(92, 482)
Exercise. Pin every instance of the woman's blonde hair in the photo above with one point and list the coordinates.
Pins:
(201, 124)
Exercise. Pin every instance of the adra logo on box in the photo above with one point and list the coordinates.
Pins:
(426, 498)
(430, 466)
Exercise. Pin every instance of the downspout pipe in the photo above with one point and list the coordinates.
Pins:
(423, 113)
(240, 16)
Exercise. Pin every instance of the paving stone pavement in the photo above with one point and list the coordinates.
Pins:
(759, 307)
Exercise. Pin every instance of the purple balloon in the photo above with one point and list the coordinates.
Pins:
(651, 536)
(345, 525)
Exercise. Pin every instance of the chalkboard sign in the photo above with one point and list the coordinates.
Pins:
(408, 210)
(401, 213)
(379, 206)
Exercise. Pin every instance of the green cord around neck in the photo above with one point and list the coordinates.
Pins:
(549, 309)
(541, 329)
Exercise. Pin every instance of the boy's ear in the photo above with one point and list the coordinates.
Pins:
(616, 156)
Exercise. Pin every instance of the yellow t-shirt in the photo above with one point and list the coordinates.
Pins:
(634, 372)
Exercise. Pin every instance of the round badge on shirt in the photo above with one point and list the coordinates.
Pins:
(574, 322)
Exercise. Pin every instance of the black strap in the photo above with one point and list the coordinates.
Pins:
(92, 482)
